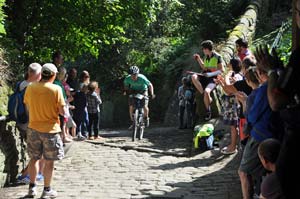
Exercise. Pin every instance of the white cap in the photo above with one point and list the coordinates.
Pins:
(49, 69)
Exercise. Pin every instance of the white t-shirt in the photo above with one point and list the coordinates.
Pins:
(24, 84)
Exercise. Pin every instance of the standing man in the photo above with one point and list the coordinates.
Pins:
(45, 102)
(211, 65)
(33, 75)
(242, 49)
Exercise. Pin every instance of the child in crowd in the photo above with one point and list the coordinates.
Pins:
(79, 113)
(63, 119)
(186, 102)
(93, 107)
(230, 103)
(70, 123)
(180, 95)
(268, 152)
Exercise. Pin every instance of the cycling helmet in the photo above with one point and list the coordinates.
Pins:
(133, 70)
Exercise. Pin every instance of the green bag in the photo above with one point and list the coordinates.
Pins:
(203, 131)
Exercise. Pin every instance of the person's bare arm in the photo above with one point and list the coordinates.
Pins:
(228, 88)
(61, 110)
(242, 98)
(199, 60)
(151, 90)
(221, 67)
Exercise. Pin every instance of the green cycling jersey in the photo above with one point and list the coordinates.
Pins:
(141, 84)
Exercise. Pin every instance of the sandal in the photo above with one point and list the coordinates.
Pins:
(225, 151)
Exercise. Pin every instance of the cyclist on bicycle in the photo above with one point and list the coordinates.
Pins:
(137, 83)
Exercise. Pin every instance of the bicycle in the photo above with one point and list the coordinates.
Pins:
(138, 116)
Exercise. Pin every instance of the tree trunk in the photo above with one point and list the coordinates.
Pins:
(296, 31)
(245, 29)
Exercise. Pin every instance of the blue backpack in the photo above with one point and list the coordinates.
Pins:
(16, 107)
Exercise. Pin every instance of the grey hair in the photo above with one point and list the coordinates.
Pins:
(34, 68)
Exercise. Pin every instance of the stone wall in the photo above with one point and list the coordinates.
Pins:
(12, 155)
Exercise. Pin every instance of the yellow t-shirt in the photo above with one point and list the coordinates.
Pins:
(43, 100)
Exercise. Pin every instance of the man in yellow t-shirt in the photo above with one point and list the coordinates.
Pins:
(45, 102)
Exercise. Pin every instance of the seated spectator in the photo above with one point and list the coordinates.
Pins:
(268, 152)
(211, 65)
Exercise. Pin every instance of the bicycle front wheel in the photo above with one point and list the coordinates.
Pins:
(135, 124)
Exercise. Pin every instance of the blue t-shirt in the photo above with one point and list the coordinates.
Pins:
(259, 115)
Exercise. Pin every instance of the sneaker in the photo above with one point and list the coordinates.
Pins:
(32, 192)
(23, 179)
(147, 121)
(207, 116)
(39, 177)
(81, 138)
(49, 194)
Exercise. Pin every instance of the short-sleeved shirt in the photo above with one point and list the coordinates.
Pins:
(243, 87)
(211, 63)
(141, 84)
(242, 55)
(270, 187)
(59, 83)
(43, 100)
(259, 115)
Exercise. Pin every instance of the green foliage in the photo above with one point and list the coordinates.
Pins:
(2, 15)
(285, 49)
(106, 37)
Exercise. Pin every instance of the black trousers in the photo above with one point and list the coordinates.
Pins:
(287, 168)
(93, 124)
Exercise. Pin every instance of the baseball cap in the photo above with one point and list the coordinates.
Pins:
(49, 69)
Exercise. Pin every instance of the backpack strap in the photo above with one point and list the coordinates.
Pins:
(17, 88)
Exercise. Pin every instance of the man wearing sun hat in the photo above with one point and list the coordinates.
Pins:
(45, 102)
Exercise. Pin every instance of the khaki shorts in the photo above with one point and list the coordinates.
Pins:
(48, 145)
(250, 162)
